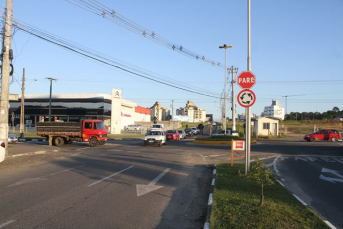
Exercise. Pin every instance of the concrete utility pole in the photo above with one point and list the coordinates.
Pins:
(5, 74)
(225, 82)
(22, 106)
(172, 106)
(233, 70)
(51, 79)
(247, 110)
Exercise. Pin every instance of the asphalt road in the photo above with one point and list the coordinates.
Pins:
(119, 185)
(126, 185)
(313, 172)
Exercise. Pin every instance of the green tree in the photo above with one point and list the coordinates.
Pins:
(261, 175)
(335, 109)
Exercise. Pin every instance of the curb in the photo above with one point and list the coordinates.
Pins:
(201, 142)
(210, 199)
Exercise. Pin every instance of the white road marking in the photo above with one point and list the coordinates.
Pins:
(210, 199)
(30, 180)
(329, 224)
(144, 189)
(300, 200)
(336, 159)
(280, 183)
(110, 176)
(275, 168)
(217, 155)
(6, 223)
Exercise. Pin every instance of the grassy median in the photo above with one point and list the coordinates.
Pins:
(236, 204)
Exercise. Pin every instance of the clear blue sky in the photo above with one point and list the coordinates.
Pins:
(296, 50)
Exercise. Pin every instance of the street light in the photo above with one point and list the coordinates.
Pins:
(224, 124)
(51, 79)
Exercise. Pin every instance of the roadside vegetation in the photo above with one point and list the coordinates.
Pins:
(237, 202)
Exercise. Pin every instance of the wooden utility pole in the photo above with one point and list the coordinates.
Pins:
(5, 74)
(22, 106)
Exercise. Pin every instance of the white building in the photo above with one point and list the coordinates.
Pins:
(275, 110)
(115, 111)
(194, 113)
(161, 113)
(266, 126)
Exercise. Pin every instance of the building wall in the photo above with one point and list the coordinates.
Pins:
(275, 110)
(112, 109)
(261, 124)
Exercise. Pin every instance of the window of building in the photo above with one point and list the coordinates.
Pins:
(266, 125)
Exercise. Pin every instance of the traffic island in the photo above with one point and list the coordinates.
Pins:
(218, 140)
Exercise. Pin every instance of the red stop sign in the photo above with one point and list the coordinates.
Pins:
(246, 80)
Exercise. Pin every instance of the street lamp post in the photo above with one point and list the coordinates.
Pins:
(224, 124)
(51, 79)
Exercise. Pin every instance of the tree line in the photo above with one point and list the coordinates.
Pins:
(328, 115)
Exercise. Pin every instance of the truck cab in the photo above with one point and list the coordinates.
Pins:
(94, 131)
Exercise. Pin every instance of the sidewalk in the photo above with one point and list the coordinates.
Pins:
(29, 148)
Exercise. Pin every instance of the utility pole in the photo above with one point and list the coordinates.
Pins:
(172, 106)
(22, 106)
(247, 109)
(286, 96)
(51, 79)
(5, 71)
(225, 82)
(233, 70)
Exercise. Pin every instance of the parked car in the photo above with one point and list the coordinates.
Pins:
(325, 134)
(155, 137)
(133, 127)
(182, 134)
(2, 150)
(221, 133)
(173, 135)
(189, 132)
(195, 130)
(12, 138)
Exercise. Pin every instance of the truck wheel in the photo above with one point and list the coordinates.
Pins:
(93, 142)
(59, 141)
(312, 139)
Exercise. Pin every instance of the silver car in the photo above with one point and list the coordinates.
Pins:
(12, 138)
(182, 134)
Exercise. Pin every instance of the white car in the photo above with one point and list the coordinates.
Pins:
(12, 138)
(157, 126)
(133, 127)
(182, 134)
(155, 137)
(194, 130)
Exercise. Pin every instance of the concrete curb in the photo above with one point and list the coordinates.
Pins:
(201, 142)
(210, 199)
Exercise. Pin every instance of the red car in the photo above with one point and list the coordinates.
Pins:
(173, 135)
(326, 134)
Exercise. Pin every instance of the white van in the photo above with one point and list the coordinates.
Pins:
(158, 127)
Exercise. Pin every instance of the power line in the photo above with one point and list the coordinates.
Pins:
(99, 9)
(101, 58)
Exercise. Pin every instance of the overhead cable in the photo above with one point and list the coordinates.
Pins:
(99, 9)
(101, 58)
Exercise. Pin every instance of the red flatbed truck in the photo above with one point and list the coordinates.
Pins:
(59, 133)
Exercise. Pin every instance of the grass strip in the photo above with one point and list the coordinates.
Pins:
(236, 204)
